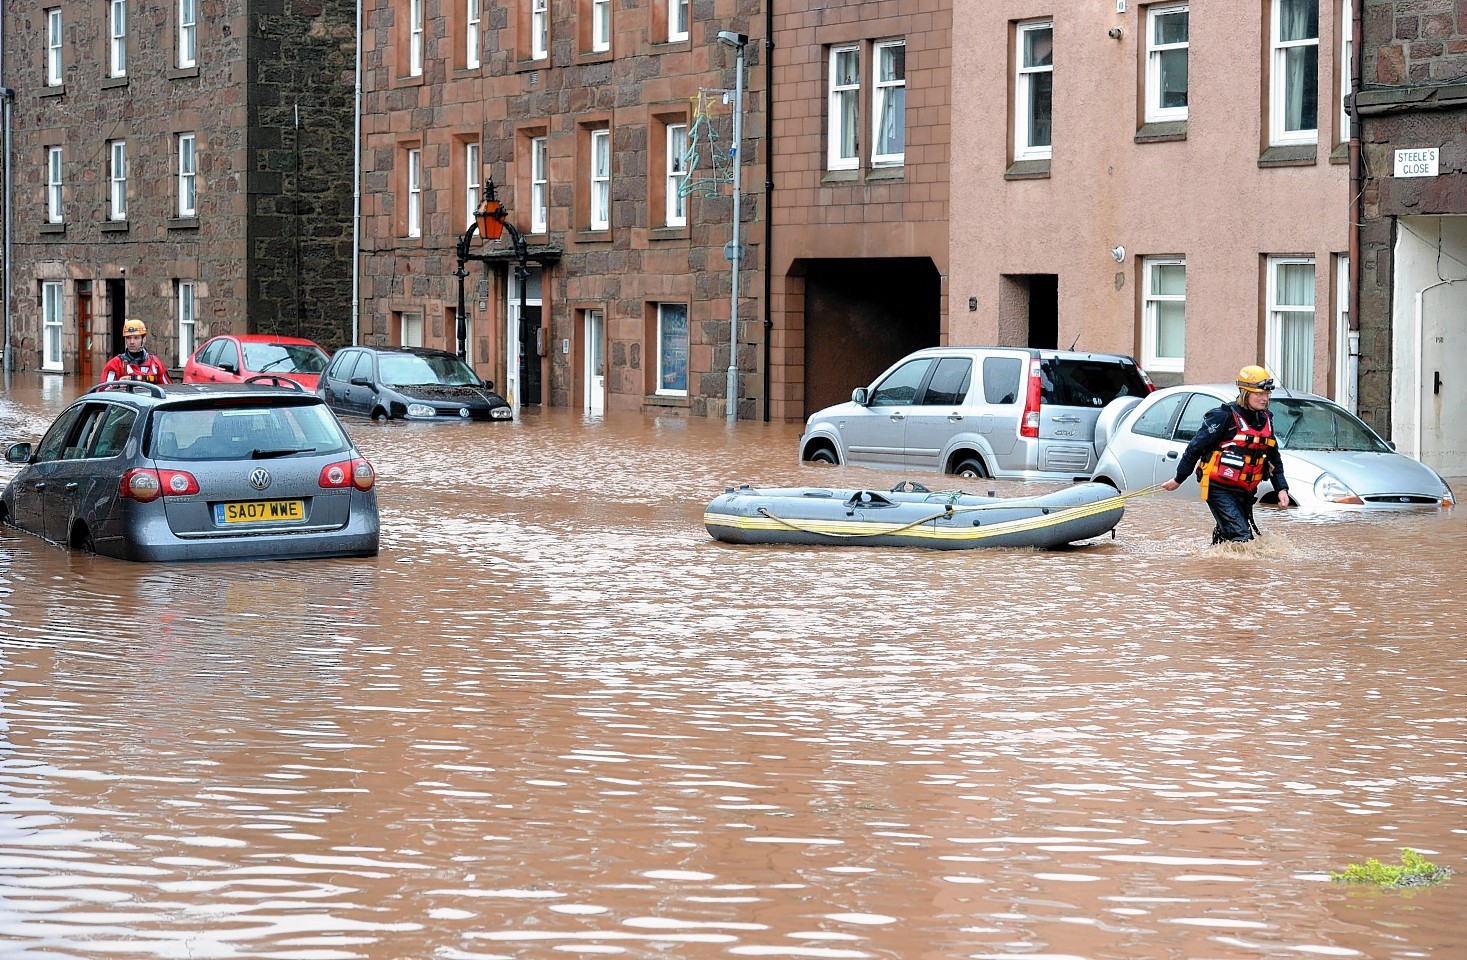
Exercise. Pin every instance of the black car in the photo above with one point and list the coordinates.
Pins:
(408, 383)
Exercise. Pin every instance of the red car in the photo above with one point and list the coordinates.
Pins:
(231, 359)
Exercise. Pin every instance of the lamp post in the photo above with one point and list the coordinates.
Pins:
(490, 222)
(735, 252)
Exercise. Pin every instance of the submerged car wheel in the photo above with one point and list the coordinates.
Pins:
(971, 469)
(824, 455)
(379, 415)
(81, 539)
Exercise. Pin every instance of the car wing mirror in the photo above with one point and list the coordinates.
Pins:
(858, 395)
(488, 384)
(1391, 444)
(228, 367)
(19, 453)
(360, 382)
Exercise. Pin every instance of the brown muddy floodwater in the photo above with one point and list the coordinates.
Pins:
(554, 718)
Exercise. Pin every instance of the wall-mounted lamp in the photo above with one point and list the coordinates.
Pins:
(1118, 254)
(1115, 33)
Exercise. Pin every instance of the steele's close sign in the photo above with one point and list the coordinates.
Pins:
(1420, 162)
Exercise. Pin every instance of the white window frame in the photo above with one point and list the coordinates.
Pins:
(415, 37)
(1346, 66)
(882, 90)
(117, 38)
(415, 192)
(472, 37)
(1278, 85)
(188, 33)
(679, 16)
(1024, 80)
(117, 180)
(1155, 112)
(188, 171)
(410, 329)
(188, 314)
(687, 349)
(539, 185)
(600, 26)
(1345, 341)
(539, 29)
(838, 114)
(55, 211)
(676, 208)
(1151, 358)
(1273, 334)
(600, 182)
(53, 47)
(472, 186)
(51, 317)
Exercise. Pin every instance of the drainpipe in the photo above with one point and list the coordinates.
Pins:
(356, 193)
(9, 96)
(768, 193)
(1357, 219)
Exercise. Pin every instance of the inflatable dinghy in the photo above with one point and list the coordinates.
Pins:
(910, 515)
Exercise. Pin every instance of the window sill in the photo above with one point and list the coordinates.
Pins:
(669, 233)
(887, 173)
(681, 43)
(593, 236)
(1292, 155)
(1340, 154)
(1162, 132)
(593, 56)
(664, 400)
(530, 65)
(841, 176)
(109, 83)
(57, 91)
(184, 73)
(183, 223)
(1027, 170)
(53, 228)
(410, 243)
(114, 226)
(408, 81)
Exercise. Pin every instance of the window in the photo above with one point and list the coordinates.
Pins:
(1294, 80)
(1164, 314)
(187, 176)
(53, 48)
(1157, 421)
(415, 192)
(53, 185)
(1346, 343)
(117, 180)
(677, 19)
(187, 314)
(1290, 333)
(890, 107)
(539, 185)
(1166, 64)
(188, 33)
(948, 387)
(1347, 55)
(410, 330)
(539, 29)
(672, 349)
(899, 388)
(600, 25)
(600, 180)
(415, 38)
(1001, 379)
(51, 324)
(845, 106)
(117, 31)
(471, 35)
(471, 182)
(677, 174)
(1034, 92)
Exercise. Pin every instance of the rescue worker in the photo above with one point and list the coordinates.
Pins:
(135, 363)
(1233, 451)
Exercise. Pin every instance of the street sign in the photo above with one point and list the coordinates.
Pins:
(1421, 162)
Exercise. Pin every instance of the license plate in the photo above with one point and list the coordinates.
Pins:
(259, 511)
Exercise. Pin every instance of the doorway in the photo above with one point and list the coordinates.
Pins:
(1442, 378)
(1028, 310)
(524, 340)
(84, 345)
(116, 315)
(595, 373)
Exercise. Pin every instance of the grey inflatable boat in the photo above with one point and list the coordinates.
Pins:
(910, 515)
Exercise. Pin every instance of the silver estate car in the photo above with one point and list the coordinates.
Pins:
(1331, 458)
(140, 471)
(1008, 412)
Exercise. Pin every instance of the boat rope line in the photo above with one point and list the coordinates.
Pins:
(1048, 516)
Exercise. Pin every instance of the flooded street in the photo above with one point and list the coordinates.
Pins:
(555, 718)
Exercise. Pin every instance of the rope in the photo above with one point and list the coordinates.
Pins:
(950, 510)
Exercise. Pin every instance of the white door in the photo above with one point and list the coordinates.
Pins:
(1443, 380)
(513, 349)
(595, 363)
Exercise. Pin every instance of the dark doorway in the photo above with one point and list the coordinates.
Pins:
(1028, 310)
(116, 315)
(1043, 311)
(861, 316)
(532, 345)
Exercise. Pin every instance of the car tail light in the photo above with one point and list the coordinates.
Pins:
(1150, 387)
(348, 473)
(1029, 426)
(146, 485)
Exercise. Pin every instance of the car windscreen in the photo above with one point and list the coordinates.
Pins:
(408, 370)
(1301, 424)
(284, 358)
(1074, 382)
(252, 431)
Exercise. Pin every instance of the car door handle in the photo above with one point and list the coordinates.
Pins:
(40, 485)
(954, 417)
(72, 486)
(1172, 454)
(1065, 419)
(898, 416)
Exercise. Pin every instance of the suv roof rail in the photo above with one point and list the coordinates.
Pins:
(275, 380)
(131, 386)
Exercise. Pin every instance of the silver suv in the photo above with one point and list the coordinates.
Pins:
(978, 412)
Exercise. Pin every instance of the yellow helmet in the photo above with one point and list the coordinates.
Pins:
(134, 328)
(1254, 379)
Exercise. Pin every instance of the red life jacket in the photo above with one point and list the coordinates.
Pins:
(1241, 462)
(150, 370)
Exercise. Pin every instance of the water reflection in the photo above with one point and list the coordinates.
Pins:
(554, 717)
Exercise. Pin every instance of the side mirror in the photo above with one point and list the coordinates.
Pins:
(19, 453)
(228, 367)
(360, 382)
(858, 395)
(488, 384)
(1391, 444)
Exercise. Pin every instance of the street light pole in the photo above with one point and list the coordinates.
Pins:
(490, 222)
(735, 253)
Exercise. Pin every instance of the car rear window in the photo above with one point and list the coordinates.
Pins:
(1077, 382)
(245, 432)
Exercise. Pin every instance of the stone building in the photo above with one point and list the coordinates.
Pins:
(182, 163)
(1411, 211)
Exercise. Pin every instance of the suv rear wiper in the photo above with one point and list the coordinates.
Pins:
(282, 452)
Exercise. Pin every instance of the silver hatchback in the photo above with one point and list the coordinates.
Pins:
(978, 412)
(140, 471)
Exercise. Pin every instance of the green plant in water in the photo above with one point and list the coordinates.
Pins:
(1414, 870)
